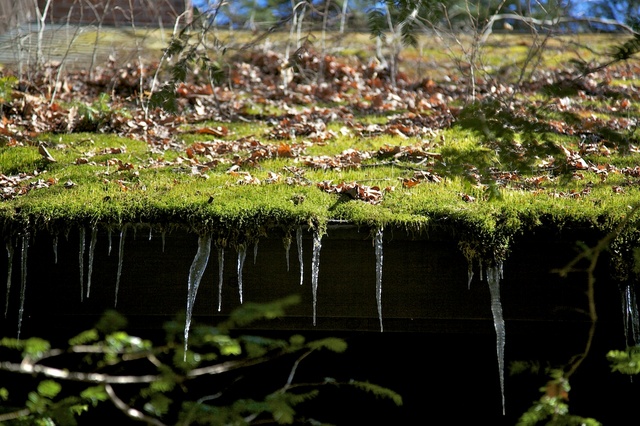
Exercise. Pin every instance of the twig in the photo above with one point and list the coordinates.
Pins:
(592, 254)
(14, 415)
(129, 411)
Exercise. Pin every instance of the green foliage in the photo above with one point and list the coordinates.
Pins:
(626, 50)
(552, 409)
(378, 391)
(625, 362)
(93, 116)
(7, 84)
(169, 389)
(33, 347)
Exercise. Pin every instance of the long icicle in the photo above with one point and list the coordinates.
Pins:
(81, 249)
(23, 279)
(300, 258)
(220, 276)
(196, 272)
(379, 258)
(242, 254)
(315, 270)
(9, 273)
(123, 234)
(493, 279)
(92, 250)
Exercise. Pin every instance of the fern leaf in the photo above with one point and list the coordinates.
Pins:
(331, 343)
(87, 336)
(378, 391)
(377, 23)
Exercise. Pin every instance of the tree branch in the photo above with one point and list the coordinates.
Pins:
(129, 411)
(549, 22)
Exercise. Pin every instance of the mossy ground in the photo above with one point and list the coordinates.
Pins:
(492, 182)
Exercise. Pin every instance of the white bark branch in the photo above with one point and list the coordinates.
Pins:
(130, 411)
(550, 22)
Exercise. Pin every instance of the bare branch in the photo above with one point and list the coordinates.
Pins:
(550, 22)
(129, 411)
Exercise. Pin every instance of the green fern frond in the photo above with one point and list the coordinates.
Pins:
(281, 405)
(87, 336)
(378, 391)
(625, 362)
(377, 23)
(331, 343)
(251, 312)
(627, 49)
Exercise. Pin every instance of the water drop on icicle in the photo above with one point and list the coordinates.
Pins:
(83, 231)
(315, 270)
(255, 252)
(23, 279)
(242, 254)
(123, 234)
(220, 275)
(55, 249)
(379, 258)
(92, 250)
(196, 272)
(150, 233)
(493, 279)
(9, 273)
(299, 242)
(287, 248)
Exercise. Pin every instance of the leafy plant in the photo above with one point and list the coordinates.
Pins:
(166, 385)
(7, 84)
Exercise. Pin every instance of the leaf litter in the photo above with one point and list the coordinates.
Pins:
(412, 112)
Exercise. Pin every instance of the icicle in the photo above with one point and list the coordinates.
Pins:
(379, 257)
(92, 249)
(255, 252)
(123, 234)
(630, 315)
(163, 237)
(287, 248)
(220, 275)
(110, 240)
(469, 273)
(23, 279)
(493, 279)
(195, 276)
(315, 269)
(9, 273)
(481, 271)
(242, 254)
(55, 249)
(83, 232)
(299, 242)
(150, 233)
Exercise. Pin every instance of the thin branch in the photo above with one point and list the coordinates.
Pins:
(129, 411)
(14, 415)
(549, 22)
(592, 254)
(75, 376)
(293, 370)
